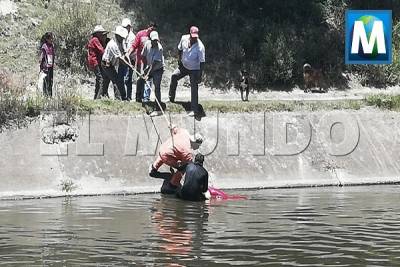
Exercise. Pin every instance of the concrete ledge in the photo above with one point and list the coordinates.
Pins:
(251, 150)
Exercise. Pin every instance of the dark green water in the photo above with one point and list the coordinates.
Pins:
(354, 226)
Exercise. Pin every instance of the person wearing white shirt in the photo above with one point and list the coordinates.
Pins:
(125, 74)
(112, 56)
(191, 62)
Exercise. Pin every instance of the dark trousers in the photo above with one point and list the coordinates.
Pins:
(154, 77)
(194, 76)
(128, 83)
(98, 91)
(48, 83)
(112, 75)
(139, 87)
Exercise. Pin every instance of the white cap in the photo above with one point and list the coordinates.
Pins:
(98, 28)
(196, 138)
(121, 31)
(126, 22)
(154, 36)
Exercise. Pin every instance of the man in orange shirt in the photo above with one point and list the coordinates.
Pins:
(176, 152)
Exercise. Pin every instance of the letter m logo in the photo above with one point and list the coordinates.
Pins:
(368, 37)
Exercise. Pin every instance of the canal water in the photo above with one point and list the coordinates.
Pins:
(348, 226)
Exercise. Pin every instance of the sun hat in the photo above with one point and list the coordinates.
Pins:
(99, 28)
(126, 22)
(194, 31)
(121, 31)
(154, 36)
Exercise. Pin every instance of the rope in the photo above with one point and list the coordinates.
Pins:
(158, 103)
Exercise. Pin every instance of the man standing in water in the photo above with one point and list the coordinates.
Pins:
(196, 181)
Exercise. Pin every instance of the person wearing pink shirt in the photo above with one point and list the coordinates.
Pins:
(176, 152)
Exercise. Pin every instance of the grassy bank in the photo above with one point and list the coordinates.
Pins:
(14, 109)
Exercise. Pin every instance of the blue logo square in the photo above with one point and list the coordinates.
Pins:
(368, 37)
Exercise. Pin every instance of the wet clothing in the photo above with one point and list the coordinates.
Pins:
(196, 183)
(174, 152)
(95, 52)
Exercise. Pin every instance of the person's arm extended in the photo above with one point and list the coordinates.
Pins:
(134, 46)
(205, 183)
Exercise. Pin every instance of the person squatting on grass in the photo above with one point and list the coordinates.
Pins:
(46, 61)
(192, 56)
(176, 152)
(153, 60)
(95, 49)
(125, 73)
(137, 47)
(112, 57)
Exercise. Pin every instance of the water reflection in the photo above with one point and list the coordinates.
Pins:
(181, 226)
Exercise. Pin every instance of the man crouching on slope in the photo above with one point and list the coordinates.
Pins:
(176, 152)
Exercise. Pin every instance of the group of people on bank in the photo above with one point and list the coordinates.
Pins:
(127, 55)
(117, 60)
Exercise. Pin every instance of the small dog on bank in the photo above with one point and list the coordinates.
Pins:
(244, 85)
(312, 79)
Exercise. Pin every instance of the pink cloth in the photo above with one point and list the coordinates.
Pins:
(219, 194)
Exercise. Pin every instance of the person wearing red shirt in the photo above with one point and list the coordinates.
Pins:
(137, 47)
(95, 49)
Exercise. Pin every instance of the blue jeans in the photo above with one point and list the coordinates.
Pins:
(123, 72)
(154, 77)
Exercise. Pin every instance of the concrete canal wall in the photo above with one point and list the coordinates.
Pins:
(107, 154)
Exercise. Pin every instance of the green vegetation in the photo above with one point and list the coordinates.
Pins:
(389, 102)
(272, 39)
(71, 23)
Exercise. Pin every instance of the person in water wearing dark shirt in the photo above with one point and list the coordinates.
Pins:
(196, 181)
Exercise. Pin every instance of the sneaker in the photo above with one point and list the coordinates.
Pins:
(191, 114)
(155, 113)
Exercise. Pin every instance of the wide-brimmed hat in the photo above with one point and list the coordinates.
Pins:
(196, 138)
(121, 31)
(126, 22)
(100, 29)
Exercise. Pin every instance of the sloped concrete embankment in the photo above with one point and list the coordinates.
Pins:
(111, 154)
